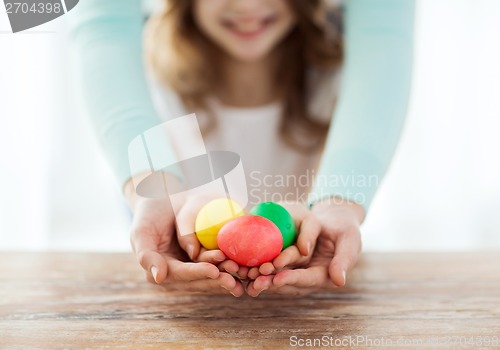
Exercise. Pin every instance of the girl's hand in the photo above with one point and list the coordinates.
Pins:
(298, 254)
(337, 250)
(186, 218)
(156, 246)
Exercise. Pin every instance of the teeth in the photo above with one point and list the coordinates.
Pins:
(248, 27)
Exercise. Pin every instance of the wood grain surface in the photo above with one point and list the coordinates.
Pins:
(407, 300)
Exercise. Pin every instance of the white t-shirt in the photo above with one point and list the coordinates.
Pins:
(273, 169)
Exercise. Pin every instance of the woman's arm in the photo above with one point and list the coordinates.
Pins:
(106, 36)
(373, 100)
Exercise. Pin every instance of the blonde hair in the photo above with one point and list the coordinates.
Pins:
(183, 58)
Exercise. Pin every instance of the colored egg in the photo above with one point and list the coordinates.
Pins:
(280, 217)
(250, 240)
(212, 217)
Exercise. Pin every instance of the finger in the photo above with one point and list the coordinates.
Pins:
(290, 290)
(225, 283)
(347, 251)
(229, 266)
(253, 273)
(149, 277)
(285, 290)
(230, 284)
(312, 277)
(214, 256)
(182, 271)
(154, 263)
(239, 290)
(243, 272)
(287, 257)
(310, 229)
(185, 220)
(261, 284)
(297, 211)
(266, 268)
(145, 246)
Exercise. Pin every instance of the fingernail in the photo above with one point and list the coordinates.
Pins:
(154, 272)
(344, 276)
(308, 248)
(266, 288)
(190, 250)
(234, 295)
(225, 287)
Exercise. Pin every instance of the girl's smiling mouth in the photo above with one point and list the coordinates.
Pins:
(248, 27)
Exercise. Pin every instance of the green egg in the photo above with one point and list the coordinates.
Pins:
(280, 217)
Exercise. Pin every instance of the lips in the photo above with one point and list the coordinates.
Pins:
(248, 28)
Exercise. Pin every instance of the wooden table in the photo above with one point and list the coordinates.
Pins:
(65, 300)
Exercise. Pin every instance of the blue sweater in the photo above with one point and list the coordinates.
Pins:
(367, 123)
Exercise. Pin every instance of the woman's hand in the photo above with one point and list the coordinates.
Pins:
(337, 250)
(298, 254)
(160, 252)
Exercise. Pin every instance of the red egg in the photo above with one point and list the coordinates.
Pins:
(250, 240)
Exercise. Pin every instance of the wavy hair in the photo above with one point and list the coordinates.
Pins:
(184, 59)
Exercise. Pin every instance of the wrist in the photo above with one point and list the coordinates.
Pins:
(340, 204)
(170, 181)
(130, 194)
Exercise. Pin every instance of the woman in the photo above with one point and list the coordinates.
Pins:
(360, 142)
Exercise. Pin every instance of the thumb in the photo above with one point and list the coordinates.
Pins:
(185, 220)
(347, 251)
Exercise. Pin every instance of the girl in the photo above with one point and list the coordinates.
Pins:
(268, 68)
(262, 77)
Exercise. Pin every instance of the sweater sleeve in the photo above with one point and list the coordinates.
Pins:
(106, 37)
(373, 100)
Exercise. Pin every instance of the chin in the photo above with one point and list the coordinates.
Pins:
(250, 55)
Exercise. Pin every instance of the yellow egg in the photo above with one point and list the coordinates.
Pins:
(212, 217)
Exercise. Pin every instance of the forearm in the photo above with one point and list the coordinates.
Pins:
(373, 102)
(130, 194)
(170, 180)
(107, 43)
